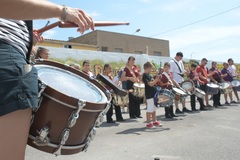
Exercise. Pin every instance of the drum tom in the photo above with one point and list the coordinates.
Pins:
(139, 90)
(71, 104)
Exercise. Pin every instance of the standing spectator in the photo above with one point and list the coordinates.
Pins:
(42, 53)
(233, 70)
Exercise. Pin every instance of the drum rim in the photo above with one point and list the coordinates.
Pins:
(78, 73)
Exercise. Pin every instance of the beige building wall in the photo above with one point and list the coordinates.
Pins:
(116, 42)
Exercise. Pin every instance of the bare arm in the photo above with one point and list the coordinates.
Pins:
(152, 83)
(42, 9)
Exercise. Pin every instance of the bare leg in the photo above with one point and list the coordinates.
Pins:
(148, 115)
(206, 99)
(225, 97)
(236, 94)
(154, 116)
(231, 96)
(184, 103)
(14, 129)
(176, 104)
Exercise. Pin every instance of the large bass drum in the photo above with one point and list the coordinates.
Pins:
(71, 104)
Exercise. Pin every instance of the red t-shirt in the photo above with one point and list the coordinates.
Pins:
(129, 74)
(165, 79)
(203, 70)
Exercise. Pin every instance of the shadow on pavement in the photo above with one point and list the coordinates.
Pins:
(139, 131)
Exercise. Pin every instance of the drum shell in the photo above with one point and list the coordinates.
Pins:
(166, 97)
(55, 116)
(138, 91)
(120, 100)
(210, 90)
(198, 94)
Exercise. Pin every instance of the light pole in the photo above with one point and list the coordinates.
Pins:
(138, 30)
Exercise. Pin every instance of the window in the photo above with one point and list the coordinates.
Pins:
(119, 50)
(67, 46)
(155, 53)
(104, 48)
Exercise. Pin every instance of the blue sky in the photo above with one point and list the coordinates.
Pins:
(217, 38)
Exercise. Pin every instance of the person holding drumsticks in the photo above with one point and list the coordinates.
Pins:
(19, 81)
(216, 78)
(167, 82)
(107, 71)
(130, 75)
(193, 76)
(150, 91)
(227, 77)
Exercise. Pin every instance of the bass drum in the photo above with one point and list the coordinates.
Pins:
(70, 106)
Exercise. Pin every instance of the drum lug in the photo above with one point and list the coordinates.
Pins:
(99, 120)
(63, 138)
(90, 138)
(81, 104)
(42, 87)
(42, 139)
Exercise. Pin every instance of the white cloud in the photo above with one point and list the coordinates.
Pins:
(179, 6)
(49, 34)
(94, 14)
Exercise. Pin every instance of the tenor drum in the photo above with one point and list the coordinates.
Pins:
(70, 106)
(187, 85)
(179, 93)
(236, 85)
(138, 90)
(212, 88)
(199, 93)
(120, 100)
(225, 87)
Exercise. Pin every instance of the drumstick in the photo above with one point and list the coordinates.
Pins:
(71, 25)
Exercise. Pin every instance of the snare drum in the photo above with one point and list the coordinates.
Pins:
(199, 93)
(71, 105)
(212, 88)
(120, 100)
(187, 85)
(179, 93)
(139, 90)
(165, 98)
(236, 85)
(225, 87)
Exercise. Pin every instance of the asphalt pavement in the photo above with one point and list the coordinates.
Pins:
(201, 135)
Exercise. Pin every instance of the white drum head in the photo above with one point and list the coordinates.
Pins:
(70, 84)
(179, 91)
(200, 91)
(187, 85)
(235, 83)
(224, 85)
(139, 85)
(212, 85)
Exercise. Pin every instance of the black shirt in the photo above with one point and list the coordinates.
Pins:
(149, 91)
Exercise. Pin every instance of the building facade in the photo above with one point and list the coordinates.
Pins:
(124, 43)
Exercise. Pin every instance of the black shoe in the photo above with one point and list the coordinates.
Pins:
(173, 115)
(133, 117)
(186, 110)
(168, 116)
(203, 109)
(220, 104)
(233, 102)
(139, 116)
(216, 106)
(209, 105)
(194, 109)
(110, 122)
(178, 111)
(121, 120)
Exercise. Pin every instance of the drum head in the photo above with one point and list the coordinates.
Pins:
(212, 85)
(224, 85)
(70, 84)
(235, 83)
(139, 85)
(187, 85)
(200, 91)
(179, 91)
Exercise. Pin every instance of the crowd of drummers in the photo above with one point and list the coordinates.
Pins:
(170, 87)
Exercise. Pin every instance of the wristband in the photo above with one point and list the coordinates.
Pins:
(64, 14)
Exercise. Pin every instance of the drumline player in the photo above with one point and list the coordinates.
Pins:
(150, 91)
(167, 82)
(16, 39)
(233, 70)
(204, 77)
(193, 76)
(227, 77)
(87, 68)
(217, 78)
(107, 71)
(177, 71)
(130, 75)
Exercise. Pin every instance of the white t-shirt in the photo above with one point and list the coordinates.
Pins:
(233, 70)
(175, 70)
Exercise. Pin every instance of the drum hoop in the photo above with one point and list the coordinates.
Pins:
(68, 105)
(63, 147)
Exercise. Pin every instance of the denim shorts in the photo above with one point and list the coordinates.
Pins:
(18, 84)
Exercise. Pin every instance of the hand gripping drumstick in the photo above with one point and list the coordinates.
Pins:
(71, 25)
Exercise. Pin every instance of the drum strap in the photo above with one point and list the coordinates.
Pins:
(168, 77)
(180, 70)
